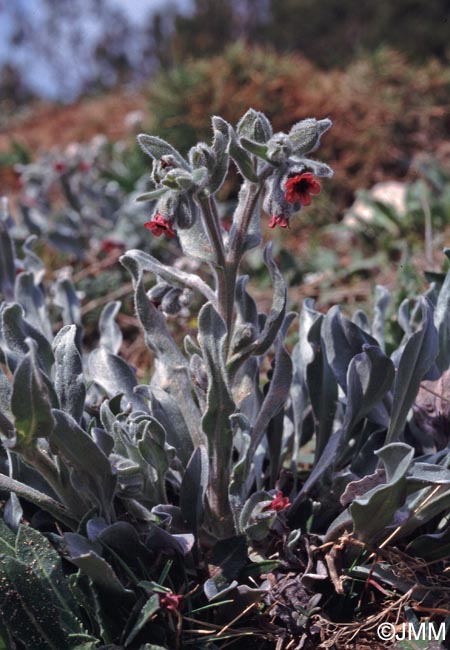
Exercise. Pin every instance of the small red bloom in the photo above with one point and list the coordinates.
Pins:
(279, 220)
(170, 601)
(60, 167)
(159, 225)
(300, 187)
(280, 502)
(83, 166)
(109, 245)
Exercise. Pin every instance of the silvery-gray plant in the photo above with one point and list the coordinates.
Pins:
(204, 456)
(76, 199)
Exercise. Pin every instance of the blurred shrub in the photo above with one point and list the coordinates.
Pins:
(383, 109)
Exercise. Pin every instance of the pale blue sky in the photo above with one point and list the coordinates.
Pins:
(65, 76)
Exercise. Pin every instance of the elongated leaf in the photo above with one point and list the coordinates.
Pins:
(255, 148)
(15, 330)
(113, 374)
(29, 608)
(31, 401)
(92, 467)
(382, 300)
(193, 488)
(216, 424)
(321, 385)
(110, 334)
(171, 416)
(157, 148)
(34, 549)
(32, 299)
(81, 553)
(220, 143)
(147, 611)
(274, 319)
(67, 300)
(376, 509)
(342, 340)
(305, 135)
(172, 369)
(370, 376)
(243, 159)
(170, 274)
(7, 265)
(442, 323)
(69, 379)
(276, 396)
(417, 358)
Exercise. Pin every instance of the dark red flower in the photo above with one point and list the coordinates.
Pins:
(300, 187)
(159, 225)
(60, 167)
(170, 601)
(279, 220)
(109, 245)
(83, 166)
(279, 502)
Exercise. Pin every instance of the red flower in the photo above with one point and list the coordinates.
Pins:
(60, 167)
(279, 220)
(159, 225)
(300, 187)
(83, 166)
(109, 245)
(170, 601)
(280, 502)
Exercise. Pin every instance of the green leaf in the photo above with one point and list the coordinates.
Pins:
(91, 468)
(147, 611)
(220, 143)
(157, 148)
(193, 488)
(342, 340)
(114, 374)
(34, 549)
(94, 566)
(212, 333)
(171, 367)
(243, 160)
(256, 148)
(31, 401)
(276, 396)
(273, 321)
(305, 135)
(370, 376)
(29, 608)
(442, 324)
(321, 386)
(141, 261)
(153, 195)
(110, 333)
(7, 265)
(417, 358)
(69, 379)
(15, 330)
(375, 510)
(32, 299)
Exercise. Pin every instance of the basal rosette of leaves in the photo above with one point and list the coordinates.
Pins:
(175, 501)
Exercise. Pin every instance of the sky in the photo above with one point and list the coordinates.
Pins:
(63, 79)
